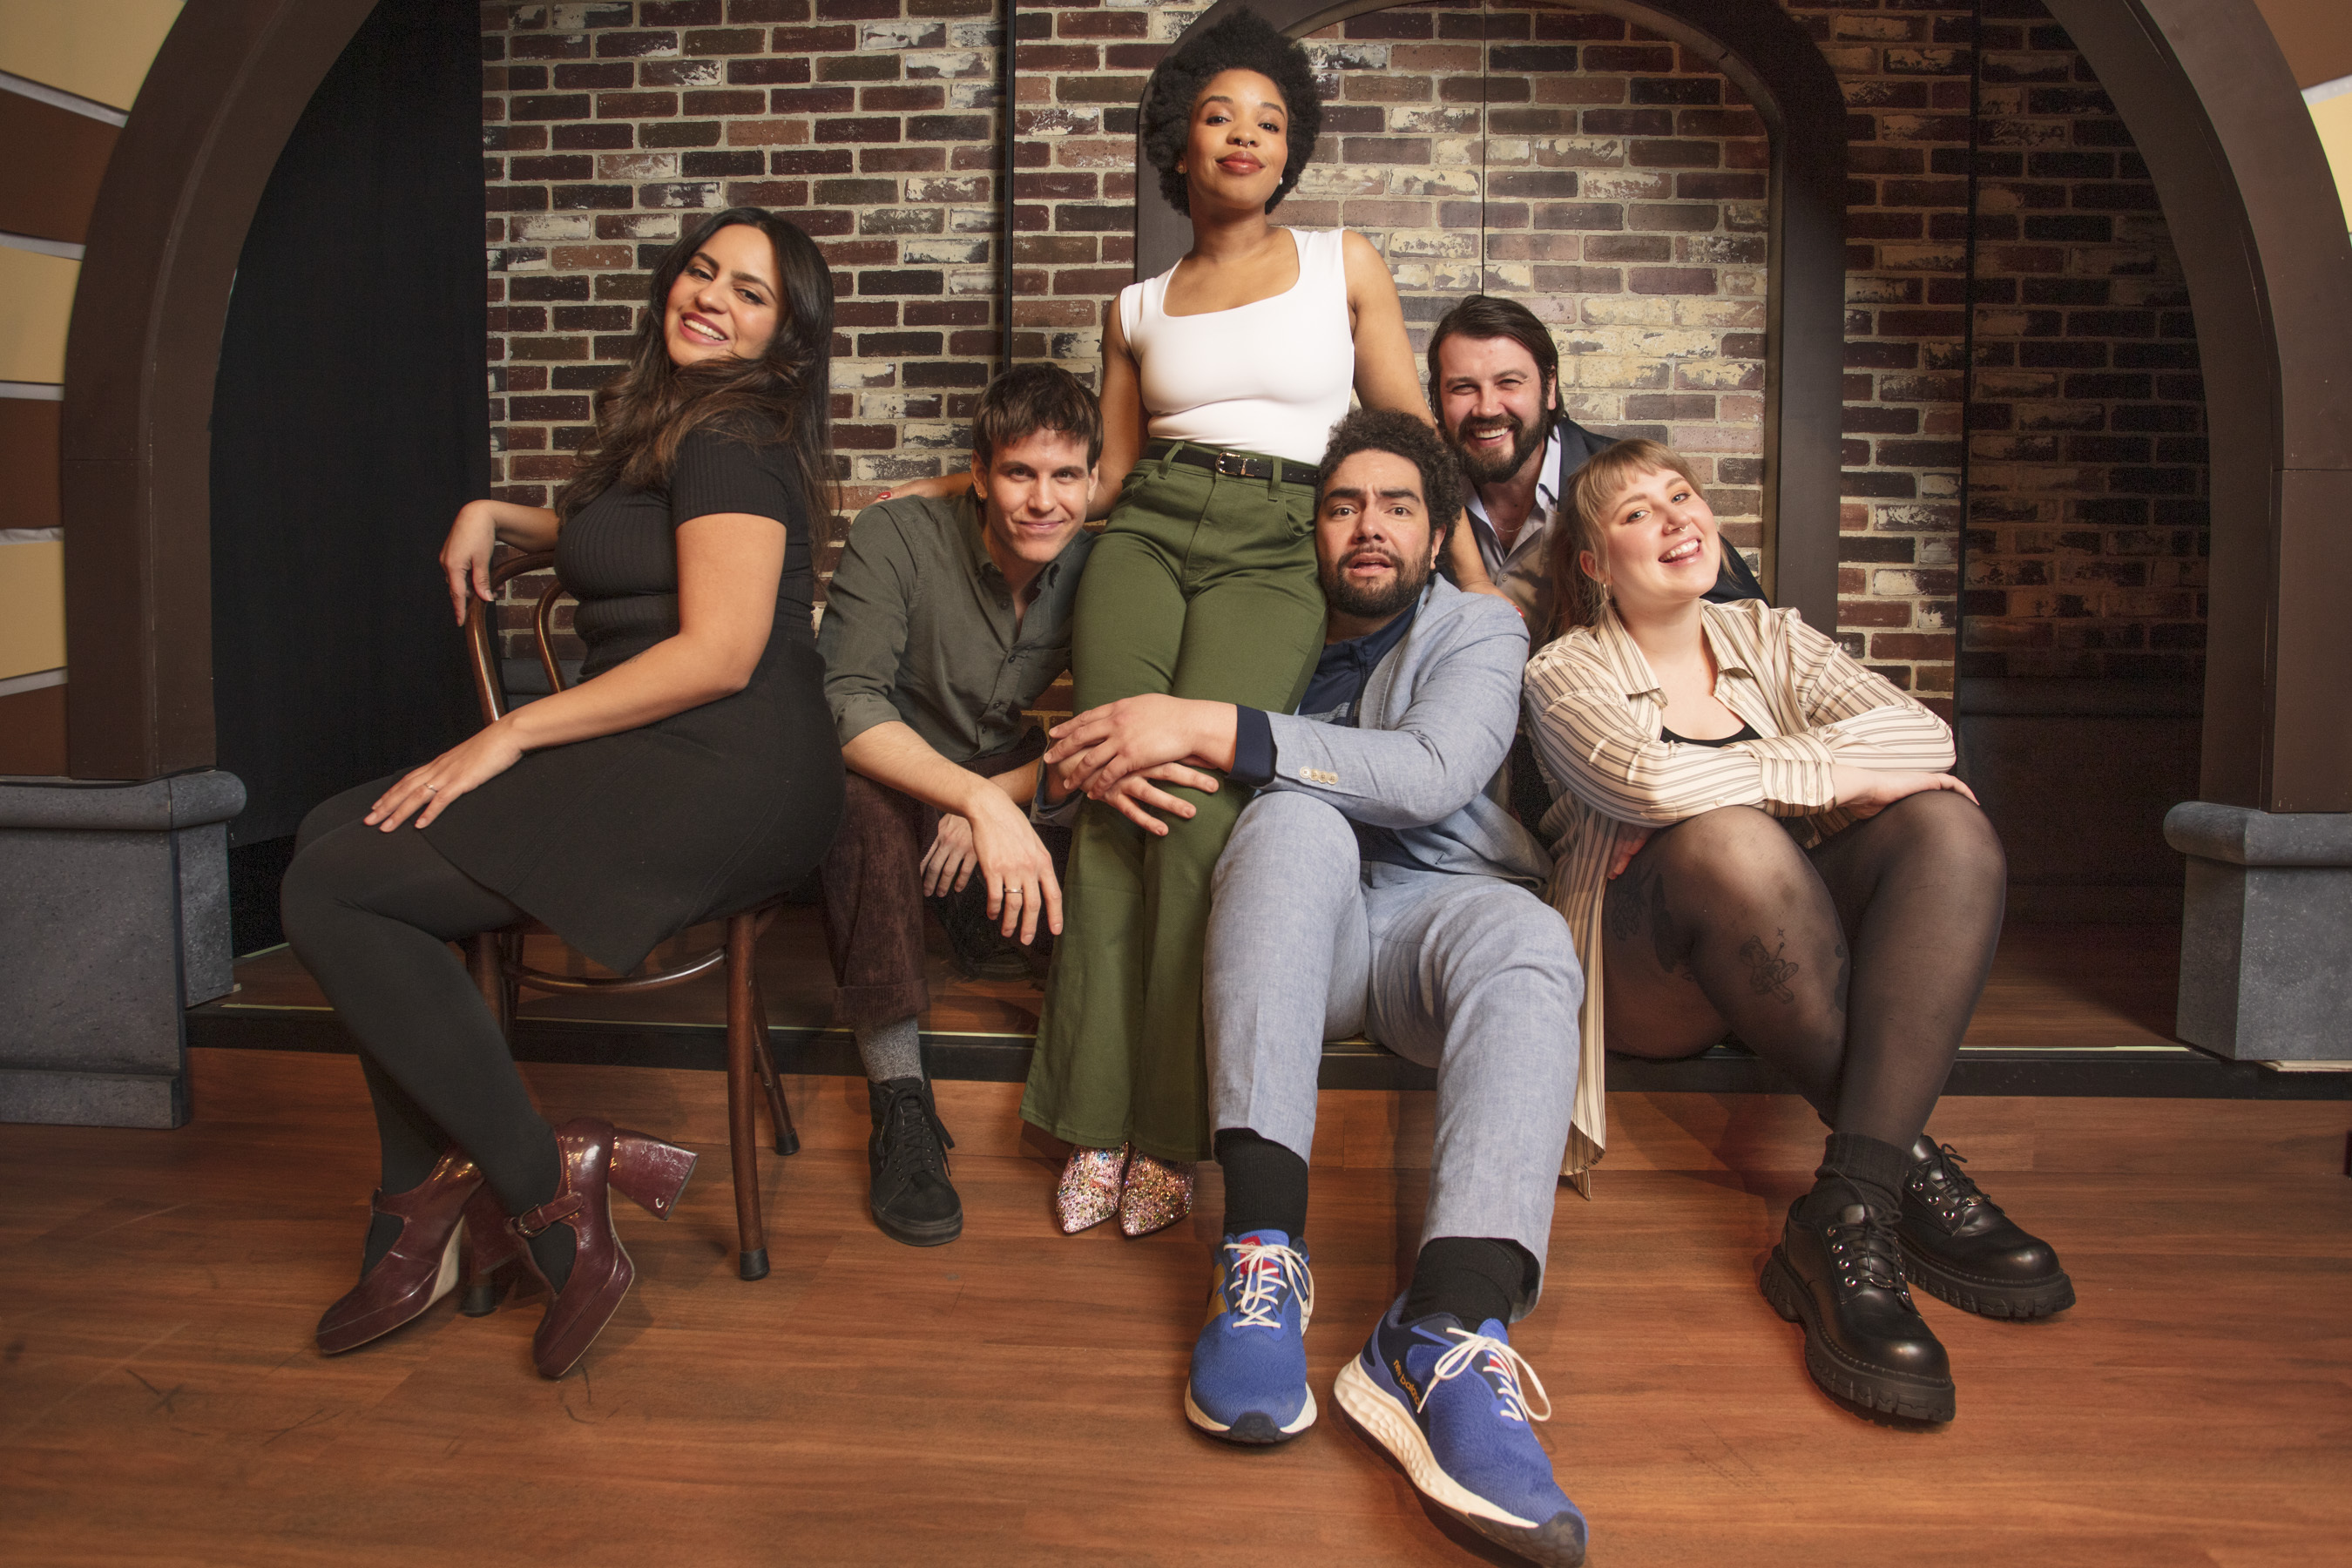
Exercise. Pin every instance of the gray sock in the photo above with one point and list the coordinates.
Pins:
(891, 1050)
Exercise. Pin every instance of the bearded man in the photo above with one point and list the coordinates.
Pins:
(1376, 885)
(1493, 379)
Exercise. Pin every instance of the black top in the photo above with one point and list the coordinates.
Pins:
(1746, 732)
(618, 557)
(620, 841)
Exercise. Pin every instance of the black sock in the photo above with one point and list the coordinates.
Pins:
(1266, 1184)
(1473, 1276)
(1853, 1164)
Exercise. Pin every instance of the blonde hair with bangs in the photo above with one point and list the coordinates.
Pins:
(1578, 597)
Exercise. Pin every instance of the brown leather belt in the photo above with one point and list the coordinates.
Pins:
(1233, 465)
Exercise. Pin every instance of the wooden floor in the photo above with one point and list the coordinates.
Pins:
(1014, 1397)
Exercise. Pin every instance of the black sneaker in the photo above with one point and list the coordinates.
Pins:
(1958, 1244)
(1865, 1343)
(913, 1201)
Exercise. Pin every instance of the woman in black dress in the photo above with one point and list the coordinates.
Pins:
(691, 772)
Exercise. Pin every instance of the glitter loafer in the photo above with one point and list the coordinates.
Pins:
(1155, 1195)
(1087, 1194)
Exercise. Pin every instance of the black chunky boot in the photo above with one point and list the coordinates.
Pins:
(913, 1201)
(1841, 1278)
(1956, 1244)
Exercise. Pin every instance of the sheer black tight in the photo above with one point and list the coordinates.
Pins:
(1851, 967)
(371, 914)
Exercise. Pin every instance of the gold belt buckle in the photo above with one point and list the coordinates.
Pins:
(1235, 466)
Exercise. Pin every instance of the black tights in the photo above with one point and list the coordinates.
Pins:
(371, 914)
(1851, 967)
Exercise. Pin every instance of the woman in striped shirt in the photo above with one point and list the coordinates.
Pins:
(1755, 835)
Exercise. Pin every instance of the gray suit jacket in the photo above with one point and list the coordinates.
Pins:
(1434, 728)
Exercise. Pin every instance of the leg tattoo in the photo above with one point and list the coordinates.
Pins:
(1768, 972)
(1623, 908)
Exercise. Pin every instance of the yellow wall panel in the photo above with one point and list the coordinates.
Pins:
(36, 304)
(96, 48)
(2334, 117)
(32, 608)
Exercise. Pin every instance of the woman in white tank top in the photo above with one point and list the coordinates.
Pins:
(1221, 379)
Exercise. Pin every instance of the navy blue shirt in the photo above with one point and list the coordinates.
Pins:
(1335, 695)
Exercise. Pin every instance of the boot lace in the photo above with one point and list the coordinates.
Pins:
(914, 1141)
(1256, 1279)
(1504, 1368)
(1865, 1253)
(1941, 1184)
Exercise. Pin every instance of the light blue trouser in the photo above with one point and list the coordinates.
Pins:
(1471, 975)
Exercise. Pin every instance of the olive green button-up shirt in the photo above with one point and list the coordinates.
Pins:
(919, 627)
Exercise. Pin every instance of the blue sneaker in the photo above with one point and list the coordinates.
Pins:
(1249, 1365)
(1452, 1408)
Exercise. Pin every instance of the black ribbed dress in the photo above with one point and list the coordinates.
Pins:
(619, 842)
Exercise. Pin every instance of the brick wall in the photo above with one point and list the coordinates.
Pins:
(2088, 527)
(1559, 156)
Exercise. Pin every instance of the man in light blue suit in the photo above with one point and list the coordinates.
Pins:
(1377, 883)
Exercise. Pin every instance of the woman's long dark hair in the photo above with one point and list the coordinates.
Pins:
(645, 413)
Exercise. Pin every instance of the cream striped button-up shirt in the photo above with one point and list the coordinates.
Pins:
(1595, 711)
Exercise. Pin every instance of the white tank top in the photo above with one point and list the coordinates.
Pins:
(1270, 376)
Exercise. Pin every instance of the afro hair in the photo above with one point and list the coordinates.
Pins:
(1241, 41)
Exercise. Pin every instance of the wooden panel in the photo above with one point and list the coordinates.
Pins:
(98, 52)
(35, 300)
(28, 459)
(32, 732)
(1015, 1398)
(32, 608)
(49, 182)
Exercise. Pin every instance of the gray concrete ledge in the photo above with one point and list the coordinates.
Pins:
(161, 805)
(116, 921)
(2239, 836)
(2265, 932)
(61, 1099)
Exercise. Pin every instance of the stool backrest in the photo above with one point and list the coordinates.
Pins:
(482, 638)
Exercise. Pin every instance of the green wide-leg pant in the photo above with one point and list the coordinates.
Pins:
(1203, 585)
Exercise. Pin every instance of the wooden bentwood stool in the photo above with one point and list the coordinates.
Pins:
(498, 956)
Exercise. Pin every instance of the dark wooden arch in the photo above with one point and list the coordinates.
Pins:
(141, 353)
(2261, 235)
(1761, 47)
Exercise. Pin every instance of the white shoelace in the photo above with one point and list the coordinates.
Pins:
(1261, 1269)
(1507, 1364)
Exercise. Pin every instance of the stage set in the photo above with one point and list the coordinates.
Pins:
(2010, 337)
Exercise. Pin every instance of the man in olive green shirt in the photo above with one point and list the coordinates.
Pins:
(946, 620)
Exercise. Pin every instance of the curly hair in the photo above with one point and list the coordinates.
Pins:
(1403, 435)
(1241, 41)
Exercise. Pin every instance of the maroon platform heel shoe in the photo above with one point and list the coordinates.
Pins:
(423, 1265)
(493, 1255)
(597, 1159)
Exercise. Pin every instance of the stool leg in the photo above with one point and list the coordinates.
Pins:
(483, 955)
(743, 1041)
(780, 1115)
